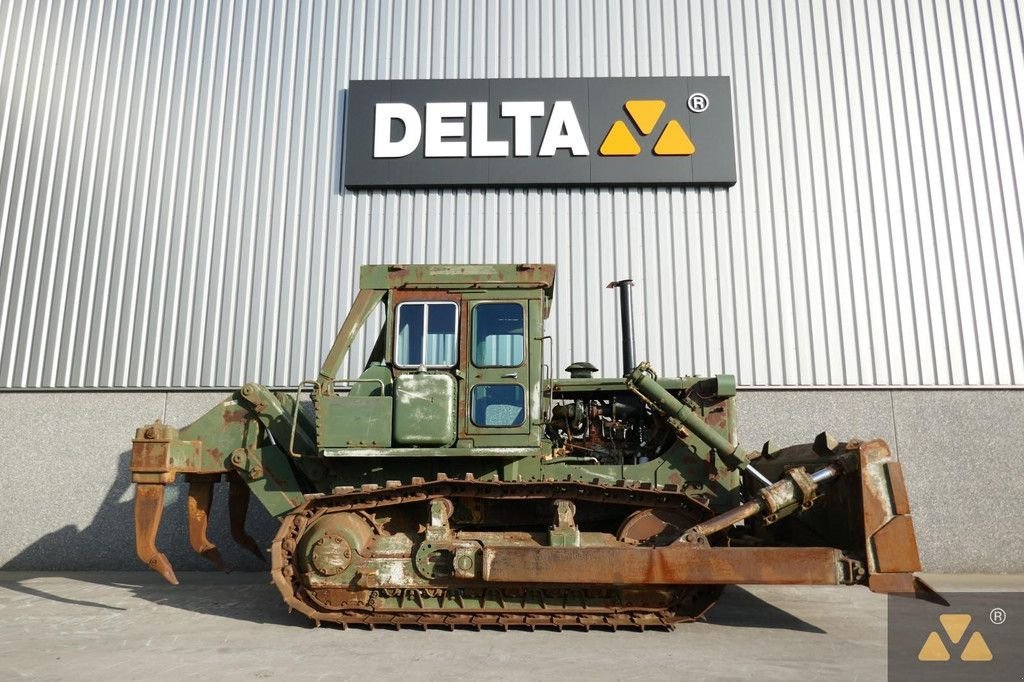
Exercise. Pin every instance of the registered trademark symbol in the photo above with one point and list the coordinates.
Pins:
(997, 616)
(698, 102)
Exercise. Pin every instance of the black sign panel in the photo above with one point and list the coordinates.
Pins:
(539, 131)
(976, 637)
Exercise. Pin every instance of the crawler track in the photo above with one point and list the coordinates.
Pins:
(455, 603)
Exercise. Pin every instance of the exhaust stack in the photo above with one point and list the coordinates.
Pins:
(626, 320)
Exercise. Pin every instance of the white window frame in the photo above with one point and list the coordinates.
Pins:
(426, 326)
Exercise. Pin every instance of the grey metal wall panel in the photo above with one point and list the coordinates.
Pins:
(171, 211)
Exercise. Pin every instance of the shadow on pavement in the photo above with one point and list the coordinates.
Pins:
(238, 596)
(24, 588)
(740, 608)
(249, 597)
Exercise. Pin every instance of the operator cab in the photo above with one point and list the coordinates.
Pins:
(459, 357)
(460, 362)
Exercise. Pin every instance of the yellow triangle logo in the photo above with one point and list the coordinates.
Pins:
(933, 649)
(619, 142)
(955, 625)
(674, 141)
(976, 649)
(645, 113)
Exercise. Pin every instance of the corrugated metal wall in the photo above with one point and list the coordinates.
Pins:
(171, 212)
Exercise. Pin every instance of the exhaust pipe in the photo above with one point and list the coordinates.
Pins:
(626, 320)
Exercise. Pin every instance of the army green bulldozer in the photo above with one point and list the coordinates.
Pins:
(457, 482)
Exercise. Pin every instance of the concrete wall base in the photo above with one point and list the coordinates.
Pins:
(65, 494)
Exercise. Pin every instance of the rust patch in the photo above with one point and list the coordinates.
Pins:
(674, 565)
(888, 583)
(149, 508)
(150, 456)
(236, 416)
(896, 546)
(874, 486)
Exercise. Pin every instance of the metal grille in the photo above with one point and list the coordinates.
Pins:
(171, 210)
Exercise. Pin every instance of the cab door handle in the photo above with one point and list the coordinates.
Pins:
(510, 375)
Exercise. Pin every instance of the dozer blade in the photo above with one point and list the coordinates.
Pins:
(149, 508)
(200, 499)
(863, 511)
(238, 508)
(889, 540)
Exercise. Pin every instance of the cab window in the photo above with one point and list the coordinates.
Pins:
(498, 405)
(498, 334)
(426, 334)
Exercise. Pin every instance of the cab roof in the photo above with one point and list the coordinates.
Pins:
(443, 277)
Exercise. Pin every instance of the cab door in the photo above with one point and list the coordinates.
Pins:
(498, 372)
(425, 353)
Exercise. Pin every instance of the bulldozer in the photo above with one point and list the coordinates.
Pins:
(456, 482)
